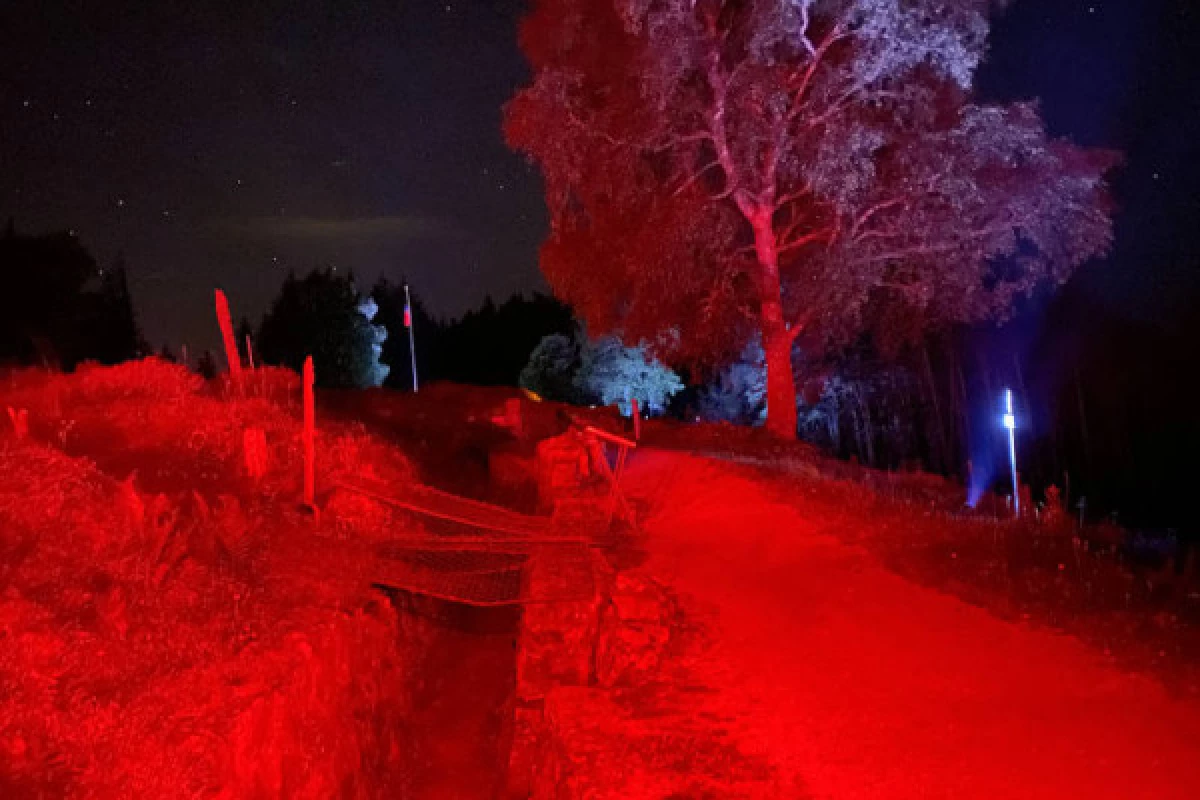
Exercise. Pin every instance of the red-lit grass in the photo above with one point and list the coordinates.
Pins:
(170, 634)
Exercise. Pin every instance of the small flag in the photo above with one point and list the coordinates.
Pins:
(407, 315)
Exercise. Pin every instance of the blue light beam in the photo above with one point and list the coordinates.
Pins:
(1010, 422)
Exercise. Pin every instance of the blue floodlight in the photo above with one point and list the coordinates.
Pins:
(1010, 422)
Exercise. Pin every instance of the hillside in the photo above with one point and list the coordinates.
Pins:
(776, 624)
(172, 627)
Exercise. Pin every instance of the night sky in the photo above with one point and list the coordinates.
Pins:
(225, 144)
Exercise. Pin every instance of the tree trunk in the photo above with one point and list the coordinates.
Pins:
(943, 461)
(781, 383)
(1083, 426)
(777, 338)
(868, 430)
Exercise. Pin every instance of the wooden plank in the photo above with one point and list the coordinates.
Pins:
(609, 437)
(442, 505)
(486, 588)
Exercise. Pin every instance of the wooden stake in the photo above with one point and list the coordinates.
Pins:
(310, 454)
(231, 351)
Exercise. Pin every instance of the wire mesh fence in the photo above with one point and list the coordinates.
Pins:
(479, 554)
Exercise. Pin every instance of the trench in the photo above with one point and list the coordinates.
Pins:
(458, 708)
(455, 713)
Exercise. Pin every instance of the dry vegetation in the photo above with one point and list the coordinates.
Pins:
(163, 632)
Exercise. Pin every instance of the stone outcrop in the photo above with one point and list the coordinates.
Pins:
(633, 631)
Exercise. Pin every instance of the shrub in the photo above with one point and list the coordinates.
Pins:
(551, 370)
(739, 393)
(615, 373)
(153, 379)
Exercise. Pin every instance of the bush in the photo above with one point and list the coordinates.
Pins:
(551, 370)
(739, 393)
(180, 633)
(615, 373)
(324, 316)
(603, 371)
(151, 379)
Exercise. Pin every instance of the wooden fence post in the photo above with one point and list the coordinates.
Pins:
(231, 351)
(310, 480)
(254, 449)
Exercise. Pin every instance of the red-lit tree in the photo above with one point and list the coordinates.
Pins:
(716, 168)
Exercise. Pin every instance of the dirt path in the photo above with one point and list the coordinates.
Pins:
(859, 684)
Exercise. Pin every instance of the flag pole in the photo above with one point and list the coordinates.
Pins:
(408, 323)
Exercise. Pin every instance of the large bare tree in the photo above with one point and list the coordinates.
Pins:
(720, 168)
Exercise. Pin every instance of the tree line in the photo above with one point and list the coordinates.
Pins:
(1098, 408)
(360, 339)
(59, 307)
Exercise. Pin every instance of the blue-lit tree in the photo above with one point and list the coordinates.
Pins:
(377, 371)
(324, 316)
(605, 371)
(795, 169)
(551, 370)
(738, 393)
(616, 374)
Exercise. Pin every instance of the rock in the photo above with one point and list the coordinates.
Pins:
(556, 637)
(634, 632)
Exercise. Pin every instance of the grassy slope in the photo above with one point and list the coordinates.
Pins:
(183, 631)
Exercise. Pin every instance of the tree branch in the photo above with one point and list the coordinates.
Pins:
(794, 329)
(804, 21)
(720, 141)
(817, 55)
(695, 176)
(674, 140)
(824, 234)
(865, 217)
(923, 250)
(804, 190)
(877, 234)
